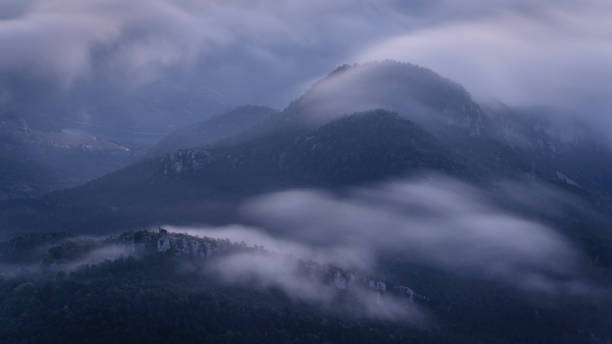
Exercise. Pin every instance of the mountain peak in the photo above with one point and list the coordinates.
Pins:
(414, 92)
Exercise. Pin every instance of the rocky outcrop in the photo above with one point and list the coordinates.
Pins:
(342, 279)
(58, 250)
(162, 241)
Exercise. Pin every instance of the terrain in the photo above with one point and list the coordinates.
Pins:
(493, 220)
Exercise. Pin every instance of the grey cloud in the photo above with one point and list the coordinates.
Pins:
(520, 52)
(437, 222)
(433, 221)
(283, 264)
(63, 38)
(334, 254)
(12, 9)
(261, 270)
(553, 53)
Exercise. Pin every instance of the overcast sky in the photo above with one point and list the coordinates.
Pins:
(520, 52)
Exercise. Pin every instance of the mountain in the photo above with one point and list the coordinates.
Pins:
(418, 94)
(207, 184)
(497, 138)
(440, 129)
(63, 251)
(38, 161)
(215, 129)
(438, 105)
(161, 286)
(517, 243)
(566, 151)
(155, 285)
(112, 110)
(58, 137)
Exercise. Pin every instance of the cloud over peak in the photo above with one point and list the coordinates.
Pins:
(519, 52)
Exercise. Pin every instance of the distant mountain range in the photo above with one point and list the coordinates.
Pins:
(213, 130)
(39, 161)
(70, 135)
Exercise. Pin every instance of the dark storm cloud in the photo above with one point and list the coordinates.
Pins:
(517, 51)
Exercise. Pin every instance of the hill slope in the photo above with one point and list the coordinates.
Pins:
(217, 128)
(206, 184)
(39, 161)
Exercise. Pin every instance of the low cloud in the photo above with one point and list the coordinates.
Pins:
(435, 221)
(264, 270)
(439, 222)
(282, 245)
(108, 252)
(283, 265)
